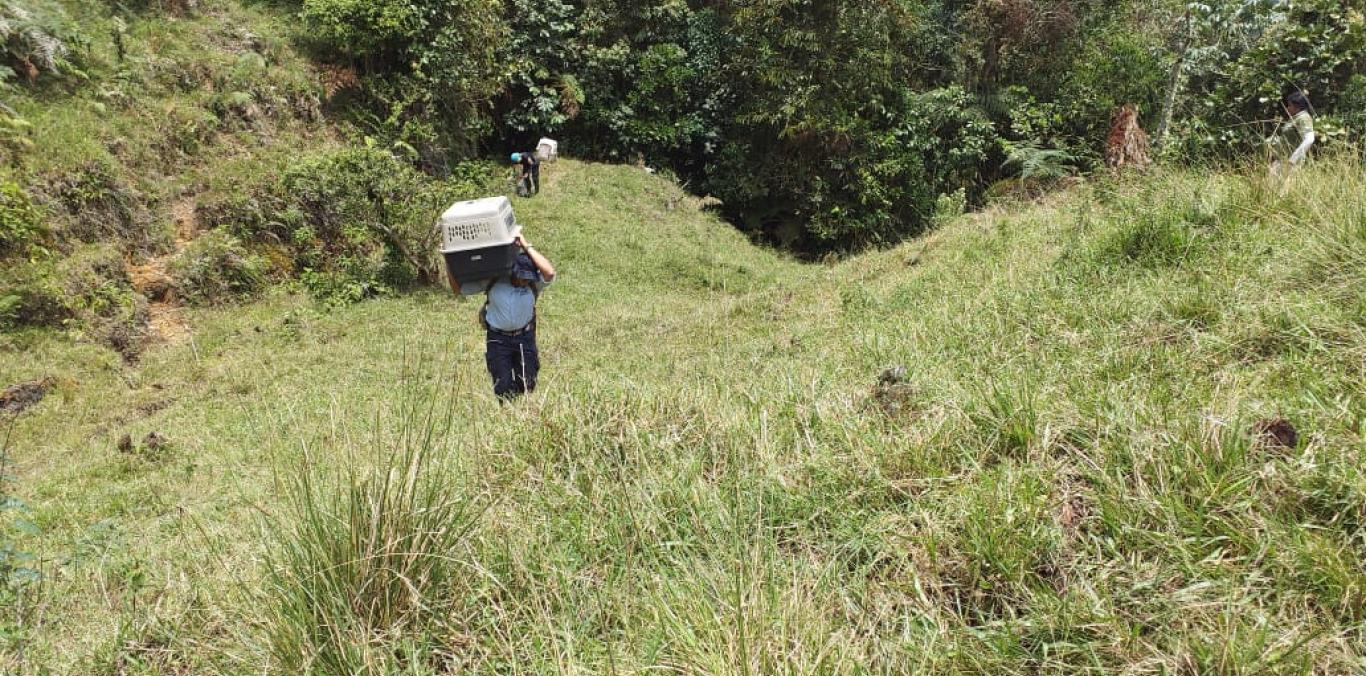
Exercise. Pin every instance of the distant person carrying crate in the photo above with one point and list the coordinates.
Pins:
(529, 173)
(509, 318)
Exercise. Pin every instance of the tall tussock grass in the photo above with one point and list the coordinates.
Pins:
(369, 546)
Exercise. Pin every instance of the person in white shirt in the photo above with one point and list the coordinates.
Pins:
(1291, 144)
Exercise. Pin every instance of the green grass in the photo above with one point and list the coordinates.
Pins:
(162, 117)
(706, 480)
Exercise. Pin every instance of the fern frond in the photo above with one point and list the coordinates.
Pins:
(1041, 163)
(38, 38)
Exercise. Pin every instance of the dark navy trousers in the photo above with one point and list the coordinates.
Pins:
(513, 363)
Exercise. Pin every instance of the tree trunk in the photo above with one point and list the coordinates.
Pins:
(1174, 82)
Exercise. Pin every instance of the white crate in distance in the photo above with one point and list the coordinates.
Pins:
(476, 224)
(547, 150)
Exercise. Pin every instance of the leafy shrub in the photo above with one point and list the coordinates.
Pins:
(215, 267)
(185, 131)
(1250, 54)
(94, 204)
(363, 205)
(1352, 105)
(443, 57)
(949, 206)
(1044, 164)
(14, 133)
(363, 27)
(174, 7)
(31, 295)
(1118, 67)
(358, 222)
(87, 291)
(867, 178)
(255, 88)
(542, 52)
(20, 571)
(21, 223)
(350, 280)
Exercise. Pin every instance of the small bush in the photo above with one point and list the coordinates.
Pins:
(1043, 164)
(1352, 105)
(21, 223)
(94, 204)
(185, 132)
(20, 570)
(86, 292)
(32, 297)
(949, 206)
(14, 133)
(215, 268)
(349, 280)
(357, 222)
(254, 89)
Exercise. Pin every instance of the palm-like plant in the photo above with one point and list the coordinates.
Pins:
(1043, 164)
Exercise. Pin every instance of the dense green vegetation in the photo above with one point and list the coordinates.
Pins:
(819, 126)
(836, 124)
(141, 129)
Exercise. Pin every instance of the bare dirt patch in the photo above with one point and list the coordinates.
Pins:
(186, 223)
(166, 322)
(150, 280)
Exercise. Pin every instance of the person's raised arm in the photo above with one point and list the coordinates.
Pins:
(542, 263)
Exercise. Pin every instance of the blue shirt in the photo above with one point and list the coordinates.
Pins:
(510, 307)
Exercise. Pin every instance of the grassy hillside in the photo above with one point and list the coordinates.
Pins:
(1069, 477)
(1080, 458)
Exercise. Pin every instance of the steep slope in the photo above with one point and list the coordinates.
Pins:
(172, 103)
(1071, 475)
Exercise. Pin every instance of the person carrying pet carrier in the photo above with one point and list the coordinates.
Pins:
(509, 318)
(529, 173)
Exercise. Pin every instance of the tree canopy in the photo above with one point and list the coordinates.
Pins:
(824, 124)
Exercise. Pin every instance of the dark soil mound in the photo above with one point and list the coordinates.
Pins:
(18, 398)
(1277, 433)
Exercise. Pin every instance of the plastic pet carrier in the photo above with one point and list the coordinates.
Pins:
(547, 150)
(477, 239)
